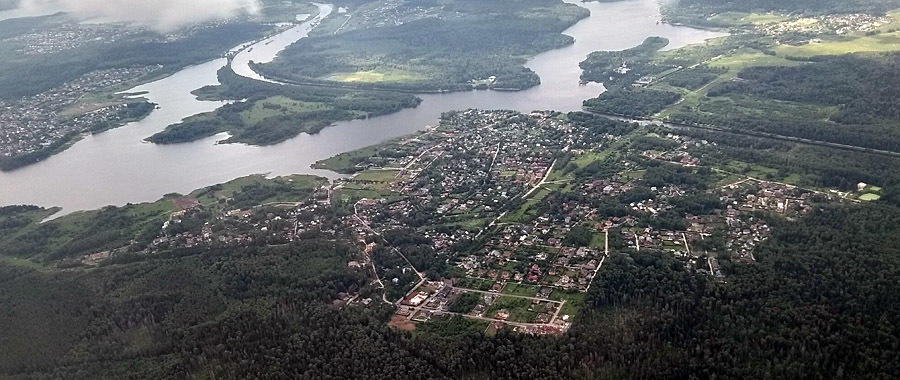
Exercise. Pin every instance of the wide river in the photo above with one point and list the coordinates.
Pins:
(117, 167)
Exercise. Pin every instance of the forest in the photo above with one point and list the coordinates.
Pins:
(632, 101)
(817, 304)
(449, 53)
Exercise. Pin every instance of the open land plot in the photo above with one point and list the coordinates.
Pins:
(521, 290)
(743, 18)
(279, 106)
(883, 42)
(869, 197)
(518, 309)
(379, 75)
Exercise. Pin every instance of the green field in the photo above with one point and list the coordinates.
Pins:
(869, 197)
(379, 75)
(284, 11)
(279, 106)
(742, 18)
(521, 290)
(877, 43)
(574, 302)
(376, 180)
(300, 183)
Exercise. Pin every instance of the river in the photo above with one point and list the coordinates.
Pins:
(116, 167)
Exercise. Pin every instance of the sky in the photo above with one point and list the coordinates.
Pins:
(160, 15)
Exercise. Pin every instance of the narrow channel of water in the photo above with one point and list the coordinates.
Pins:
(117, 167)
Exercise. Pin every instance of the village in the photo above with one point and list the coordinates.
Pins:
(34, 123)
(448, 177)
(504, 218)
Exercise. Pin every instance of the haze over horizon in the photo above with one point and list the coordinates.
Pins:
(160, 15)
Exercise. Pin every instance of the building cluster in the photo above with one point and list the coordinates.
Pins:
(72, 35)
(32, 123)
(389, 13)
(826, 24)
(65, 36)
(195, 225)
(532, 315)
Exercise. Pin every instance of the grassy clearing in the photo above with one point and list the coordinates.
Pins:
(869, 197)
(377, 180)
(279, 106)
(574, 301)
(20, 262)
(883, 42)
(346, 195)
(211, 195)
(743, 18)
(330, 25)
(346, 162)
(474, 283)
(752, 170)
(521, 290)
(740, 105)
(536, 197)
(380, 75)
(285, 11)
(734, 63)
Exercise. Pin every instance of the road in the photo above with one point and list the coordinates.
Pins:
(543, 180)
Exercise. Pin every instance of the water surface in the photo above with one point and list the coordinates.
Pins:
(117, 167)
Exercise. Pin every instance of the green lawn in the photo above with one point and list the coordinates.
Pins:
(743, 18)
(521, 290)
(869, 197)
(377, 180)
(574, 301)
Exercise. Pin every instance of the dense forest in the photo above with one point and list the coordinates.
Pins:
(819, 303)
(436, 54)
(632, 101)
